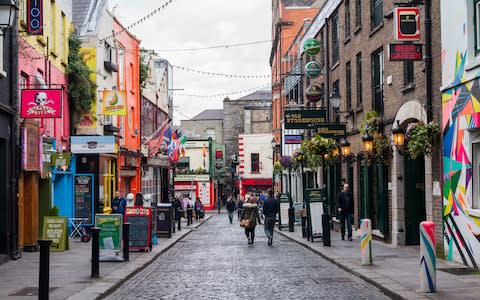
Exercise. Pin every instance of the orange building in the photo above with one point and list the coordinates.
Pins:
(129, 125)
(288, 18)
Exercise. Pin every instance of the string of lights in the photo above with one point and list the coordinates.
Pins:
(221, 74)
(223, 94)
(139, 21)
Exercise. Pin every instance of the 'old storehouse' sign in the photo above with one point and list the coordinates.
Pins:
(304, 119)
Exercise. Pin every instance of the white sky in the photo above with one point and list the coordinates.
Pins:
(202, 23)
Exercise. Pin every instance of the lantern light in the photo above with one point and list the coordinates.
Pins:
(367, 142)
(398, 135)
(345, 146)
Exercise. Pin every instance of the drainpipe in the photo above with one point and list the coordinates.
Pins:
(327, 69)
(428, 58)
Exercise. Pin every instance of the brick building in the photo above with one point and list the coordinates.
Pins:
(395, 192)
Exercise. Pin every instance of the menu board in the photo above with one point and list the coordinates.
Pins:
(140, 220)
(315, 201)
(204, 193)
(55, 229)
(83, 187)
(316, 212)
(284, 214)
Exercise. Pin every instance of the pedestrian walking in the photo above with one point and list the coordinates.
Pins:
(118, 204)
(230, 209)
(198, 209)
(189, 212)
(249, 219)
(345, 208)
(239, 207)
(270, 210)
(219, 205)
(177, 208)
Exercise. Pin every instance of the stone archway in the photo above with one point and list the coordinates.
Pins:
(412, 110)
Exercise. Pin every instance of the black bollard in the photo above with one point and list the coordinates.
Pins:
(326, 229)
(291, 219)
(179, 220)
(304, 227)
(44, 271)
(95, 253)
(126, 241)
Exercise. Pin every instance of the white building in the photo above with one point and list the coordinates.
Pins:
(256, 164)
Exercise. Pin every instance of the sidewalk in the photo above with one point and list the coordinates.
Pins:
(395, 271)
(70, 270)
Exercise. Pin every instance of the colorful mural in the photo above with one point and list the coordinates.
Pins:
(461, 112)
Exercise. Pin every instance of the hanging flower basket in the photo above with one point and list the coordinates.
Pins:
(277, 168)
(419, 137)
(286, 162)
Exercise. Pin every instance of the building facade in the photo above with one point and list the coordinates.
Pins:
(460, 126)
(207, 124)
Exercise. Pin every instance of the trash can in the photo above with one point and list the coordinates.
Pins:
(164, 217)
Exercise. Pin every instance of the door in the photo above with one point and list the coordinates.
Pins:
(414, 198)
(3, 196)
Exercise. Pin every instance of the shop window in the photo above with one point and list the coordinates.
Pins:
(376, 13)
(255, 162)
(476, 175)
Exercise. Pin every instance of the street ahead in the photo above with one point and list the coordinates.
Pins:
(215, 262)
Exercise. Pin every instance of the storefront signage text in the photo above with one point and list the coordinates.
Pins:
(35, 17)
(304, 119)
(93, 144)
(43, 103)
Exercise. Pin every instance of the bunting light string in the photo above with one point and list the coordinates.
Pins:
(223, 94)
(139, 21)
(187, 69)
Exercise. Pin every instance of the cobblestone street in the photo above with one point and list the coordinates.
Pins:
(215, 262)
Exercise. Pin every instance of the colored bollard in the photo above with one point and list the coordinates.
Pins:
(95, 253)
(44, 270)
(366, 241)
(428, 264)
(126, 241)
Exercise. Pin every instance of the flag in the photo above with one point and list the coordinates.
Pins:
(167, 136)
(155, 140)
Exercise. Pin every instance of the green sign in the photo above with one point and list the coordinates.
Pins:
(61, 160)
(314, 195)
(311, 47)
(55, 229)
(284, 198)
(305, 119)
(110, 231)
(313, 69)
(333, 131)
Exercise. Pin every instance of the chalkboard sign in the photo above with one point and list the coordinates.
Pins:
(55, 229)
(83, 187)
(140, 220)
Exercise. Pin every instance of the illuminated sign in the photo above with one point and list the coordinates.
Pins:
(403, 52)
(35, 17)
(407, 24)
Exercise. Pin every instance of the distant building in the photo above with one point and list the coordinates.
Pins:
(207, 124)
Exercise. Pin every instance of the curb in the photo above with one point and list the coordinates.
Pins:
(146, 264)
(387, 291)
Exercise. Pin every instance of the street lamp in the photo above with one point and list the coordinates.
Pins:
(367, 140)
(345, 147)
(398, 136)
(7, 13)
(335, 99)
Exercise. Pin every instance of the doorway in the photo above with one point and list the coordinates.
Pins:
(414, 198)
(3, 196)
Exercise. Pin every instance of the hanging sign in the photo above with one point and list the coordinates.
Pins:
(114, 103)
(304, 119)
(333, 131)
(407, 23)
(61, 160)
(293, 139)
(311, 47)
(405, 52)
(313, 69)
(87, 144)
(314, 93)
(35, 17)
(37, 104)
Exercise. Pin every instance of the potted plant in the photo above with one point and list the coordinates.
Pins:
(419, 138)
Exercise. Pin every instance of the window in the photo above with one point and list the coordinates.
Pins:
(255, 162)
(348, 85)
(359, 79)
(121, 70)
(377, 80)
(130, 120)
(210, 132)
(476, 20)
(376, 13)
(335, 49)
(336, 87)
(358, 13)
(347, 18)
(132, 74)
(408, 72)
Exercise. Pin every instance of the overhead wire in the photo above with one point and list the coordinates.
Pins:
(223, 94)
(238, 76)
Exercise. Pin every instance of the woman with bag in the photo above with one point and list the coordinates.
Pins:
(249, 218)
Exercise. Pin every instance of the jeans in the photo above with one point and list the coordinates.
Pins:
(230, 216)
(197, 214)
(349, 218)
(250, 233)
(268, 227)
(240, 210)
(189, 216)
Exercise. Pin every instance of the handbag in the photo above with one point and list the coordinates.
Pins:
(245, 223)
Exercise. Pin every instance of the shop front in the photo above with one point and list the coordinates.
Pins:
(155, 178)
(260, 185)
(94, 176)
(196, 186)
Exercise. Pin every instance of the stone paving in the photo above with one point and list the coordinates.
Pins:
(215, 262)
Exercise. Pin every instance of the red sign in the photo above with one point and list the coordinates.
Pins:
(218, 154)
(403, 52)
(41, 104)
(35, 17)
(407, 23)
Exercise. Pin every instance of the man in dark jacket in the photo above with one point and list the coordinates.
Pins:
(270, 210)
(345, 208)
(118, 204)
(177, 210)
(230, 209)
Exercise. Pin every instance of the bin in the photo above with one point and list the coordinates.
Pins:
(164, 220)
